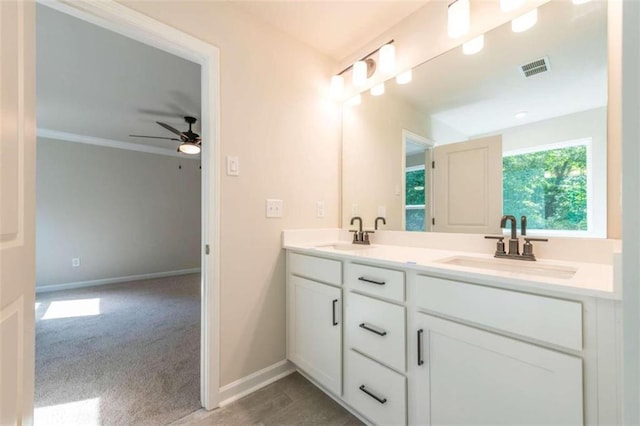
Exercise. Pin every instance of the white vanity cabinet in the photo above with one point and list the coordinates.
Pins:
(419, 347)
(314, 318)
(470, 376)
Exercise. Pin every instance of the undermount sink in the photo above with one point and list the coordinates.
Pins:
(517, 266)
(345, 246)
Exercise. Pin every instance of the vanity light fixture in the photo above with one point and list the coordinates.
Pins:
(378, 89)
(388, 59)
(459, 18)
(404, 77)
(356, 100)
(364, 69)
(507, 5)
(337, 86)
(474, 45)
(524, 22)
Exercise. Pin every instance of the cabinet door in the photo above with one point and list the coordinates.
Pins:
(315, 331)
(469, 376)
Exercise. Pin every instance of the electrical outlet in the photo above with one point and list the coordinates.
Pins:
(320, 209)
(75, 262)
(274, 208)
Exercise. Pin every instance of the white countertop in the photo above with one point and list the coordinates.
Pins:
(590, 279)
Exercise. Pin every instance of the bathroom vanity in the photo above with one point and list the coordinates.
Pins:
(402, 334)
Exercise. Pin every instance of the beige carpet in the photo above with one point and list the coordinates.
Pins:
(123, 354)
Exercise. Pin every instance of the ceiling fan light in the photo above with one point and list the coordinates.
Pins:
(189, 148)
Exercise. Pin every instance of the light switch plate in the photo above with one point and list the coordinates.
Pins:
(320, 209)
(233, 166)
(274, 208)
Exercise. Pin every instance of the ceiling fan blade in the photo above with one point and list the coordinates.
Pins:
(172, 130)
(155, 137)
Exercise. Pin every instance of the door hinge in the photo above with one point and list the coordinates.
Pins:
(433, 220)
(206, 249)
(433, 164)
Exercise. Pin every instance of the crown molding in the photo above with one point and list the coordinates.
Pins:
(110, 143)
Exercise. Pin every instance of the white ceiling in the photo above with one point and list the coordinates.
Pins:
(335, 28)
(96, 83)
(480, 94)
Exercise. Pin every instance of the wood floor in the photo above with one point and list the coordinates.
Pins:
(292, 400)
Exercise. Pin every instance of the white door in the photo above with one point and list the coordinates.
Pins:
(316, 331)
(469, 376)
(17, 210)
(468, 186)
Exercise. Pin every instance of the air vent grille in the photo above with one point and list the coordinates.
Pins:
(535, 67)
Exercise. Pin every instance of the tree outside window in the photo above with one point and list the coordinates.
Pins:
(549, 187)
(415, 199)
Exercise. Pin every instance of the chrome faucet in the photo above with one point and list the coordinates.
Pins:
(384, 222)
(359, 236)
(514, 242)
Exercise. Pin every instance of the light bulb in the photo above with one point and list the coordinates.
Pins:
(474, 45)
(507, 5)
(337, 86)
(388, 59)
(524, 22)
(359, 73)
(458, 16)
(378, 89)
(520, 115)
(404, 77)
(189, 148)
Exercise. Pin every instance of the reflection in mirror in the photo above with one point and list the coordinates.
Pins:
(542, 95)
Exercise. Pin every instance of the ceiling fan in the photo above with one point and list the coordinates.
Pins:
(191, 142)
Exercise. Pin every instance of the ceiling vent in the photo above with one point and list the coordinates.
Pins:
(535, 67)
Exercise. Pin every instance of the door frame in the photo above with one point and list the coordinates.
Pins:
(137, 26)
(428, 147)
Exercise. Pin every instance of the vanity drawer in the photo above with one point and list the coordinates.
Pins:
(542, 318)
(316, 268)
(377, 329)
(375, 391)
(381, 282)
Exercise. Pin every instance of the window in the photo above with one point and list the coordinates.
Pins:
(550, 185)
(415, 198)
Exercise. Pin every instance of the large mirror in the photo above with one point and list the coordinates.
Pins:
(518, 128)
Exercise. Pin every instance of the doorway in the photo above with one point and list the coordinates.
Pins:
(131, 24)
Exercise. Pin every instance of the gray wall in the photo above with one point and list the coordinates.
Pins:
(121, 212)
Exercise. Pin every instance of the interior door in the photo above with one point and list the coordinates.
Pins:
(17, 210)
(468, 186)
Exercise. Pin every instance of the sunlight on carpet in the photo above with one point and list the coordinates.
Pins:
(72, 308)
(79, 413)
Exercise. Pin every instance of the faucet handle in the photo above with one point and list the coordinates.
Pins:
(499, 245)
(527, 248)
(355, 235)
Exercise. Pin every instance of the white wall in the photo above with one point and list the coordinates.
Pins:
(121, 212)
(276, 118)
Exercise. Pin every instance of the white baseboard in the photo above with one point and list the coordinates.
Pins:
(115, 280)
(251, 383)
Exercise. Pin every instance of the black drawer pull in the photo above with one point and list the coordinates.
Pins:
(373, 330)
(376, 397)
(334, 311)
(420, 360)
(369, 280)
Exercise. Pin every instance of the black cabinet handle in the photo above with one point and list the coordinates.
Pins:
(372, 395)
(420, 360)
(334, 311)
(369, 280)
(373, 330)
